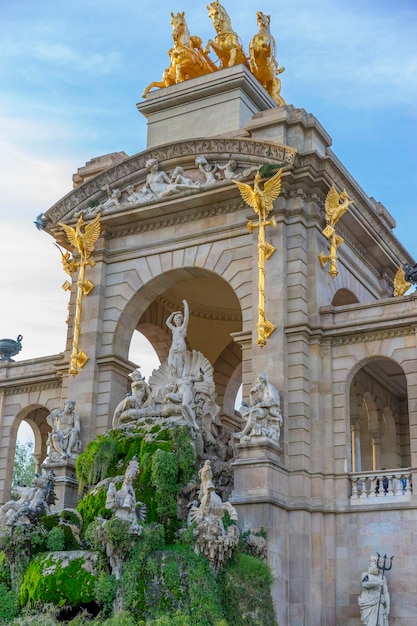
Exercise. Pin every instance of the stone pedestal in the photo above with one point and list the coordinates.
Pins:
(210, 105)
(65, 486)
(258, 472)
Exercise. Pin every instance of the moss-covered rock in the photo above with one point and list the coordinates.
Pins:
(167, 461)
(245, 586)
(60, 578)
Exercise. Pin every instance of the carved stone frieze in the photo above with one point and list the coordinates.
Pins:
(246, 151)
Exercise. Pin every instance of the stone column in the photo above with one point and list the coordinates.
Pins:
(38, 461)
(355, 428)
(376, 450)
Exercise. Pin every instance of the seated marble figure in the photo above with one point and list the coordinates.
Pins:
(263, 414)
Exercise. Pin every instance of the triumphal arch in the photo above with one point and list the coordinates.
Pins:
(296, 282)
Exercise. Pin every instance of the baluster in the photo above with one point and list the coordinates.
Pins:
(390, 491)
(364, 487)
(409, 488)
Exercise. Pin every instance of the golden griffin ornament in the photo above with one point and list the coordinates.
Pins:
(82, 238)
(262, 201)
(335, 206)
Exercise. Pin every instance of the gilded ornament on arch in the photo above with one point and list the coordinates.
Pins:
(262, 202)
(401, 284)
(336, 204)
(82, 238)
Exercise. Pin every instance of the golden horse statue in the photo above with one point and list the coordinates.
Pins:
(188, 59)
(263, 64)
(226, 45)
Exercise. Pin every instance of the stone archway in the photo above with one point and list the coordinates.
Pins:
(379, 415)
(215, 315)
(215, 311)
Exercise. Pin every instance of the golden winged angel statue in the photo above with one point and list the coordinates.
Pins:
(83, 236)
(401, 284)
(261, 200)
(335, 205)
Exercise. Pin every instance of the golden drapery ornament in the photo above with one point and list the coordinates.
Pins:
(83, 238)
(335, 206)
(261, 201)
(401, 285)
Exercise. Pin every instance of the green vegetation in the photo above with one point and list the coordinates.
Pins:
(164, 582)
(24, 464)
(56, 581)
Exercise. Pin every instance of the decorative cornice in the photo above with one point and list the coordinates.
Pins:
(377, 335)
(163, 221)
(229, 316)
(29, 388)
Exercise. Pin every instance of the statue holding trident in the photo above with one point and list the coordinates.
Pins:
(178, 324)
(374, 601)
(262, 200)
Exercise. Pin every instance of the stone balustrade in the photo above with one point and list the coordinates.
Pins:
(380, 487)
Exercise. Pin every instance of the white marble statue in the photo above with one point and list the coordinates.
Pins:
(157, 181)
(64, 440)
(124, 507)
(136, 404)
(212, 540)
(374, 601)
(123, 503)
(183, 393)
(182, 182)
(113, 197)
(263, 414)
(31, 504)
(178, 325)
(207, 169)
(134, 196)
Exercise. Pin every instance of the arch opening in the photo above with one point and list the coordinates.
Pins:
(379, 417)
(215, 313)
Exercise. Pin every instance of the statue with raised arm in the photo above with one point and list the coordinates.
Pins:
(263, 415)
(178, 324)
(374, 601)
(64, 439)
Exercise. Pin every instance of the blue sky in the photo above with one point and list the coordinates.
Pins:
(71, 73)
